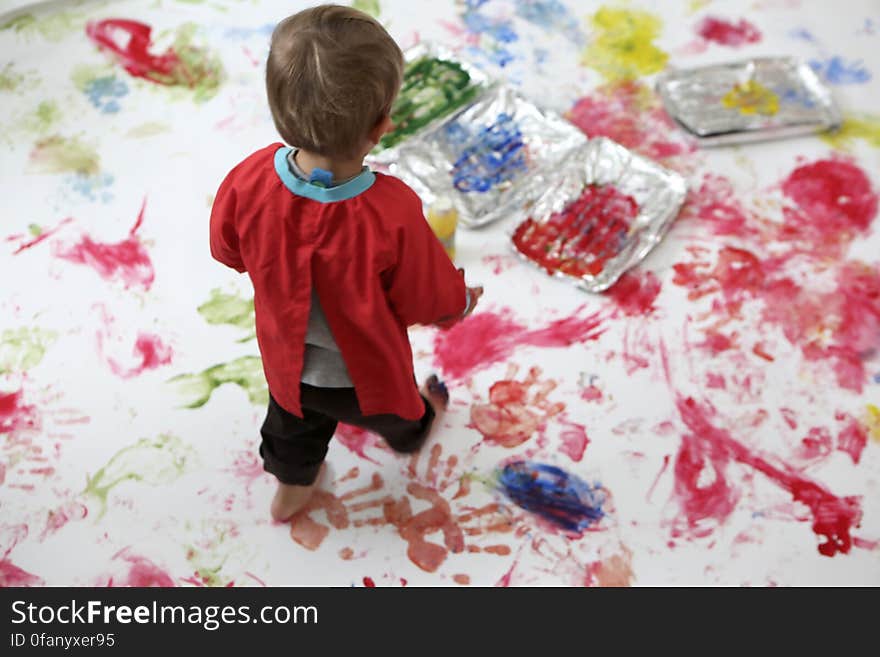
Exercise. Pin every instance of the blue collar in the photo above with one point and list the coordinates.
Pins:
(349, 189)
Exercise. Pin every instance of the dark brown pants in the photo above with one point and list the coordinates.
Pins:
(293, 448)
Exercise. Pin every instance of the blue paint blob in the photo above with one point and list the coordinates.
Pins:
(499, 33)
(557, 496)
(837, 70)
(247, 32)
(93, 187)
(551, 15)
(877, 378)
(104, 93)
(491, 155)
(802, 34)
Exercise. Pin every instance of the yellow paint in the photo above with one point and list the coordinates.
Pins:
(872, 422)
(696, 5)
(863, 126)
(443, 220)
(752, 97)
(621, 47)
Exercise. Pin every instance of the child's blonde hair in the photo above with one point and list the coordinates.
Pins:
(332, 74)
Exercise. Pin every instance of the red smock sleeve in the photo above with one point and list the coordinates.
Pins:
(224, 235)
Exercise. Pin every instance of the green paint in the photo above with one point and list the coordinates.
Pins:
(52, 26)
(245, 372)
(230, 309)
(9, 78)
(862, 126)
(198, 70)
(35, 230)
(370, 7)
(154, 462)
(58, 154)
(149, 129)
(23, 348)
(84, 74)
(622, 48)
(432, 88)
(44, 117)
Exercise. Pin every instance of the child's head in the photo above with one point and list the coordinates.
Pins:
(333, 73)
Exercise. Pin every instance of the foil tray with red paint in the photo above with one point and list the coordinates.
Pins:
(751, 100)
(602, 218)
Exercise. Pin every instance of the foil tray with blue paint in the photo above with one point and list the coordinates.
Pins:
(751, 100)
(492, 160)
(602, 217)
(437, 85)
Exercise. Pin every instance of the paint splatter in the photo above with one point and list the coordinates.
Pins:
(486, 338)
(58, 154)
(23, 348)
(139, 572)
(52, 26)
(154, 462)
(127, 260)
(104, 93)
(58, 518)
(245, 372)
(833, 517)
(853, 439)
(491, 156)
(581, 238)
(230, 309)
(358, 440)
(16, 416)
(872, 421)
(149, 351)
(635, 292)
(551, 15)
(622, 46)
(489, 36)
(183, 64)
(837, 70)
(36, 234)
(728, 33)
(574, 440)
(615, 571)
(10, 79)
(857, 126)
(10, 574)
(43, 119)
(751, 97)
(556, 496)
(631, 114)
(514, 413)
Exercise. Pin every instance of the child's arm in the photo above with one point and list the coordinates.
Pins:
(224, 236)
(424, 286)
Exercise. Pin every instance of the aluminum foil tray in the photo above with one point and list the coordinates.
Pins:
(751, 100)
(600, 222)
(436, 84)
(492, 160)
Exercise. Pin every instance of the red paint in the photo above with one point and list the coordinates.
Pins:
(715, 381)
(583, 236)
(852, 439)
(39, 238)
(574, 440)
(657, 478)
(11, 575)
(130, 42)
(357, 440)
(61, 516)
(833, 201)
(141, 572)
(759, 351)
(717, 342)
(369, 583)
(789, 416)
(728, 33)
(149, 351)
(833, 517)
(635, 293)
(591, 393)
(514, 413)
(815, 445)
(15, 416)
(127, 260)
(631, 114)
(716, 205)
(486, 338)
(414, 528)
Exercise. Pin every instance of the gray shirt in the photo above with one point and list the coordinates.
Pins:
(323, 365)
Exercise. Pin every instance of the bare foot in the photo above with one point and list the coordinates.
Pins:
(290, 499)
(435, 392)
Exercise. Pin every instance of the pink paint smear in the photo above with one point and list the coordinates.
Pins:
(833, 517)
(487, 338)
(127, 261)
(728, 33)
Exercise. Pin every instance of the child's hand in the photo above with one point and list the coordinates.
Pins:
(476, 293)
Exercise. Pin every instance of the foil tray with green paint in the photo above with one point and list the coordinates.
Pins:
(437, 85)
(751, 100)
